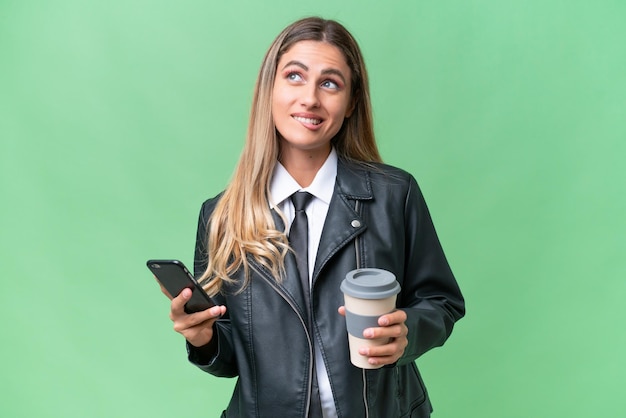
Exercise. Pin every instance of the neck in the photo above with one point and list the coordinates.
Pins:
(303, 165)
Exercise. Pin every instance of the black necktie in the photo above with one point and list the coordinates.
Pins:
(299, 240)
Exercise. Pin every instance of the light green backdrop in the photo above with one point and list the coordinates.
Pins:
(118, 118)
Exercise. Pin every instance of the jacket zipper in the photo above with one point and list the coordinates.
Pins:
(357, 246)
(357, 249)
(278, 290)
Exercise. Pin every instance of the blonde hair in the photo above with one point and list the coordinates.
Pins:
(242, 225)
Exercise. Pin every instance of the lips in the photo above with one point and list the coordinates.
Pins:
(307, 120)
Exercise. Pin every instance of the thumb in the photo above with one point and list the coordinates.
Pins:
(186, 293)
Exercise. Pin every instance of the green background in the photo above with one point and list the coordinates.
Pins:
(118, 118)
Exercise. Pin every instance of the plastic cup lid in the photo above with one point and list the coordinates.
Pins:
(370, 283)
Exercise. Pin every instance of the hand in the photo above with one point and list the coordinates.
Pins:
(197, 328)
(393, 327)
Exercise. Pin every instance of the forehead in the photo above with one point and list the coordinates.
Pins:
(316, 54)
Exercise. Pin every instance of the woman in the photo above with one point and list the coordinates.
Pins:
(311, 130)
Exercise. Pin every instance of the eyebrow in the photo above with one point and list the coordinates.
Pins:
(326, 71)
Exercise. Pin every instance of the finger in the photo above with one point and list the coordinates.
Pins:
(342, 310)
(395, 317)
(385, 354)
(216, 311)
(178, 303)
(191, 330)
(212, 313)
(382, 361)
(392, 331)
(185, 320)
(192, 326)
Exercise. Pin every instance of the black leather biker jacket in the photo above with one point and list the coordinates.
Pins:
(377, 218)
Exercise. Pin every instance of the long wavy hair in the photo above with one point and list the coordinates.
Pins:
(242, 225)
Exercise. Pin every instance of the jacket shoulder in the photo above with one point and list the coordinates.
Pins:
(375, 169)
(387, 174)
(208, 206)
(391, 171)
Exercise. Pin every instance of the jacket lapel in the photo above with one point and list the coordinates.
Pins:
(343, 223)
(290, 285)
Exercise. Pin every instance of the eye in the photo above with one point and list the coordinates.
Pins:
(294, 76)
(330, 84)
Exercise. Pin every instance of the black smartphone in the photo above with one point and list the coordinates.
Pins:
(175, 277)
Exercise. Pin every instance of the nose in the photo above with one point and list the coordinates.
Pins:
(310, 97)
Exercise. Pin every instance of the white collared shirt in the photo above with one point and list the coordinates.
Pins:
(282, 187)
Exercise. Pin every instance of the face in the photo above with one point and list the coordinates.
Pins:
(311, 96)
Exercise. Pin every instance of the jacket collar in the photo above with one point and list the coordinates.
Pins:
(353, 180)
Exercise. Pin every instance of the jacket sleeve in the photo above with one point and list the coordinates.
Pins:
(217, 357)
(430, 294)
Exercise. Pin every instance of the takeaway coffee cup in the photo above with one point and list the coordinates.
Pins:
(368, 293)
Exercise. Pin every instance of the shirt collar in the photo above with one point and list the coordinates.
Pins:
(283, 185)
